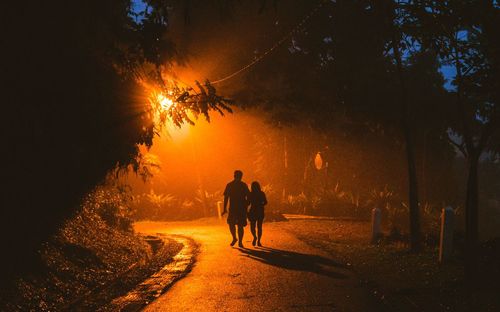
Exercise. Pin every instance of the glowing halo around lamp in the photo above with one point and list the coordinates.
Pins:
(175, 133)
(165, 102)
(166, 105)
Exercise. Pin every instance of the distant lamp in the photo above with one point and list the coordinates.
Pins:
(318, 161)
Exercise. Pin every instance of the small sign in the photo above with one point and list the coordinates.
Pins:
(318, 161)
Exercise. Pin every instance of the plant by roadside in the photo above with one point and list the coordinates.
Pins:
(401, 280)
(89, 250)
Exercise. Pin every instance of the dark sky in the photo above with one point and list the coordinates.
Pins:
(238, 38)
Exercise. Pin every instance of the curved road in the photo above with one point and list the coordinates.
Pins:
(284, 275)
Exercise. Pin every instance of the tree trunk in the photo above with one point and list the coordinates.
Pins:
(414, 214)
(424, 168)
(412, 191)
(471, 220)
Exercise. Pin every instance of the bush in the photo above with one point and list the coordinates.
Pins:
(111, 203)
(297, 203)
(333, 202)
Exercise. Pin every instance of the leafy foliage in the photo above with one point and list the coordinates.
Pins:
(188, 101)
(76, 108)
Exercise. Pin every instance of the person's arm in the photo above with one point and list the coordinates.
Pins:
(264, 199)
(226, 200)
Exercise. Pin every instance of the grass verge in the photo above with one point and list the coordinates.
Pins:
(86, 265)
(403, 281)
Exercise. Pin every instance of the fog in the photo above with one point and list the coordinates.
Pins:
(204, 157)
(359, 169)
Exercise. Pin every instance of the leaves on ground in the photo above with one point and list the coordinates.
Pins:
(85, 265)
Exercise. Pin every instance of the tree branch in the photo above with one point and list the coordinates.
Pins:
(487, 132)
(460, 147)
(467, 134)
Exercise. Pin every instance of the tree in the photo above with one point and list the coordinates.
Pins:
(465, 34)
(397, 18)
(369, 38)
(362, 65)
(76, 106)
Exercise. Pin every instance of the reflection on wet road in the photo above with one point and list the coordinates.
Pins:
(284, 275)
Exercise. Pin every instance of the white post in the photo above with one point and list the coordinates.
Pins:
(446, 238)
(219, 209)
(376, 228)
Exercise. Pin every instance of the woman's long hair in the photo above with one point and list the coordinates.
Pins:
(255, 187)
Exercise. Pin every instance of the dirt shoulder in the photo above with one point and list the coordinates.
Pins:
(85, 266)
(401, 280)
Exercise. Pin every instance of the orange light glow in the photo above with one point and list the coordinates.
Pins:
(165, 102)
(176, 134)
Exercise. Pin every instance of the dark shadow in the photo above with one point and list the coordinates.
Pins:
(291, 260)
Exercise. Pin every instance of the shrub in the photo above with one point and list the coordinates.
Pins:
(297, 203)
(111, 203)
(207, 202)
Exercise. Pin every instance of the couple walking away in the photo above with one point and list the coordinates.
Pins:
(239, 197)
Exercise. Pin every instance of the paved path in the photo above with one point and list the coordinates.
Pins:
(285, 275)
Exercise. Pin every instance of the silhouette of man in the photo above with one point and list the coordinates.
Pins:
(236, 193)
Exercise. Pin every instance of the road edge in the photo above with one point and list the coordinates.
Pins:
(158, 283)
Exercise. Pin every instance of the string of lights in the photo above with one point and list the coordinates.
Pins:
(299, 26)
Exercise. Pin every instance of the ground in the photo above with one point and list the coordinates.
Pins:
(316, 264)
(306, 264)
(401, 280)
(286, 274)
(84, 266)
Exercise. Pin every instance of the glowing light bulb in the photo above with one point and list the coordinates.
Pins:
(165, 102)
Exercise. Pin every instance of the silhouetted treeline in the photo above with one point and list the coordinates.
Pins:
(68, 116)
(72, 109)
(75, 107)
(374, 66)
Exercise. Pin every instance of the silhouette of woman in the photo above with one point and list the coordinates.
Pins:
(257, 200)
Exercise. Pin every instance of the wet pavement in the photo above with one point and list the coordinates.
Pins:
(284, 275)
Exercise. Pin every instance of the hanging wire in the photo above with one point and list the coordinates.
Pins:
(276, 45)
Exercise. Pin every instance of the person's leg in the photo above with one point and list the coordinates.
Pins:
(240, 235)
(252, 229)
(232, 229)
(259, 230)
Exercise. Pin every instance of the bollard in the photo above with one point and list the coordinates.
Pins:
(376, 220)
(446, 237)
(219, 209)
